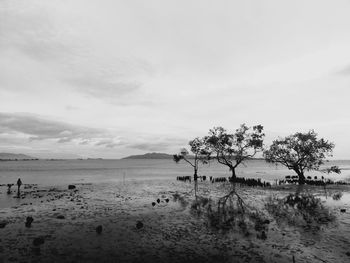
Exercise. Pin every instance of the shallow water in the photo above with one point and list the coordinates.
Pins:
(62, 172)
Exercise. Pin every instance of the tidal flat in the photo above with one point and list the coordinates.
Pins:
(154, 221)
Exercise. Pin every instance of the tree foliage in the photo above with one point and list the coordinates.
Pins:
(231, 149)
(200, 154)
(301, 152)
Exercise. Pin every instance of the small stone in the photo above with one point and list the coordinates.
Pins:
(99, 229)
(36, 251)
(60, 217)
(139, 225)
(71, 186)
(153, 203)
(3, 224)
(167, 200)
(158, 200)
(343, 210)
(29, 221)
(262, 235)
(38, 241)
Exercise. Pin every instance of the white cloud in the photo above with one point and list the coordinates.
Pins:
(145, 71)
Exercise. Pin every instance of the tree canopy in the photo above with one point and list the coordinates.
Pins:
(200, 154)
(231, 149)
(301, 152)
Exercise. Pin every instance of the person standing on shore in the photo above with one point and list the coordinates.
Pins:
(19, 183)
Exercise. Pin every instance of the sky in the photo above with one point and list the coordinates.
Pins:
(109, 78)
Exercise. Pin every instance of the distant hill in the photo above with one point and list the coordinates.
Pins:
(14, 157)
(165, 156)
(151, 156)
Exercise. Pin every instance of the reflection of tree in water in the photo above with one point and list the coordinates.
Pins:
(231, 213)
(231, 150)
(303, 211)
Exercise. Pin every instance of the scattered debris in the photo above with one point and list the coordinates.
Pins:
(261, 235)
(99, 229)
(139, 225)
(38, 241)
(29, 221)
(266, 221)
(3, 224)
(337, 196)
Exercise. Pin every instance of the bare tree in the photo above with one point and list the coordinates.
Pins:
(200, 155)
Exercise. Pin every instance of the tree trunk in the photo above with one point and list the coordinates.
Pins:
(300, 174)
(301, 178)
(195, 175)
(233, 178)
(195, 178)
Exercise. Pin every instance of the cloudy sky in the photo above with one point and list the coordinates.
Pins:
(108, 78)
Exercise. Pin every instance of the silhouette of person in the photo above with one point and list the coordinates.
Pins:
(19, 183)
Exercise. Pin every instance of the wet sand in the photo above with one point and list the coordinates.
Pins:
(65, 221)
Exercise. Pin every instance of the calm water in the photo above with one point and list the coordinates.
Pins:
(64, 172)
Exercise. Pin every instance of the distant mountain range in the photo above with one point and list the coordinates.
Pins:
(150, 156)
(15, 157)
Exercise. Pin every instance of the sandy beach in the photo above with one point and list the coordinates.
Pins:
(65, 222)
